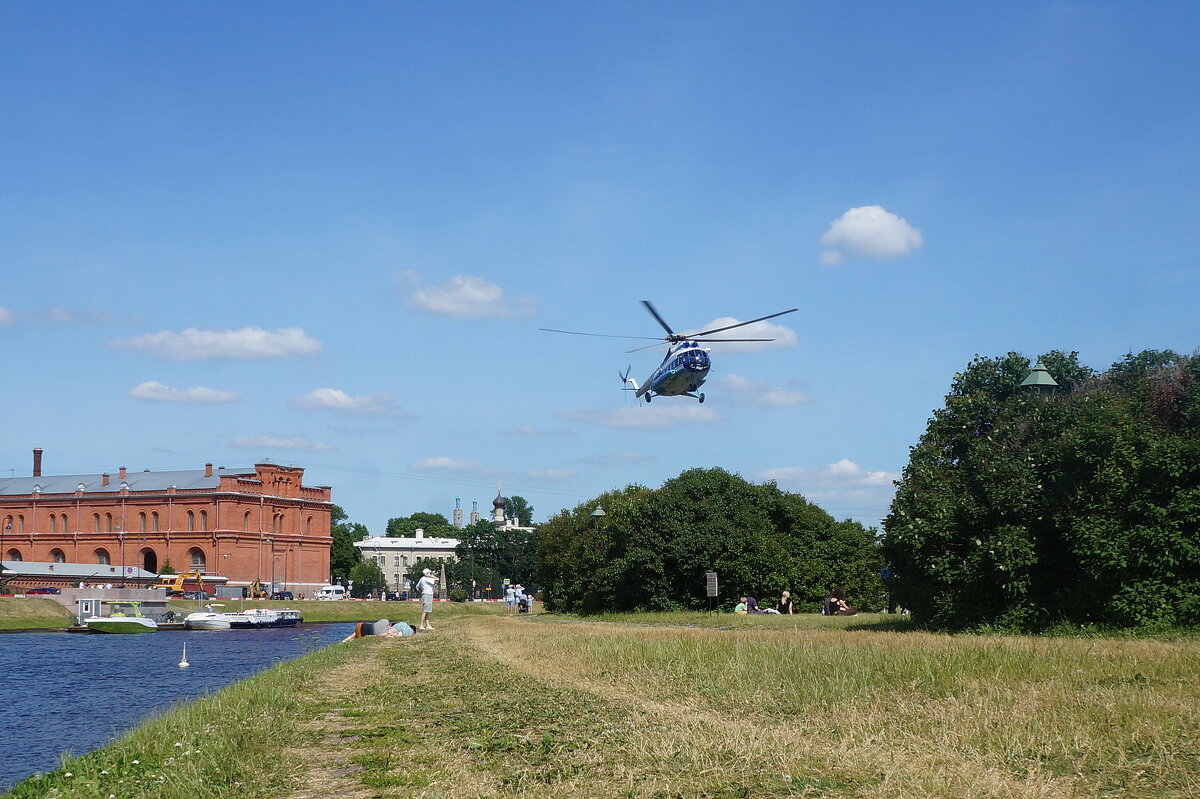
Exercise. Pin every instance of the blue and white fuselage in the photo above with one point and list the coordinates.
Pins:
(682, 371)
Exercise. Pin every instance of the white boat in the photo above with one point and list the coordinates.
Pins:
(117, 621)
(265, 617)
(207, 620)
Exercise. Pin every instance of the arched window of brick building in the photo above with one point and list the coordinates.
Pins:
(191, 519)
(154, 520)
(13, 554)
(204, 520)
(108, 522)
(196, 555)
(103, 558)
(54, 523)
(95, 522)
(21, 525)
(64, 522)
(308, 526)
(277, 523)
(246, 522)
(58, 556)
(142, 522)
(149, 560)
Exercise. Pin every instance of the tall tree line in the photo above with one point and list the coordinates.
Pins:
(1025, 510)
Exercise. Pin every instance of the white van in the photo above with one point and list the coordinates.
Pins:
(330, 592)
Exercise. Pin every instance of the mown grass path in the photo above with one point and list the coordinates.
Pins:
(495, 706)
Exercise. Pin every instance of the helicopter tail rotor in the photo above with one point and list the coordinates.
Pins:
(625, 378)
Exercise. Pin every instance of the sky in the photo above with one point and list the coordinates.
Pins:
(328, 234)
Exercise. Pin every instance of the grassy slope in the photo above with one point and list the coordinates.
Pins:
(492, 707)
(32, 614)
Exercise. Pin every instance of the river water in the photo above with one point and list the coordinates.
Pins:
(73, 692)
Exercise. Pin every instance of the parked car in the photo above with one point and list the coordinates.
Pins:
(44, 589)
(283, 595)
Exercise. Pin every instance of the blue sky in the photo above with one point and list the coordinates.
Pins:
(327, 234)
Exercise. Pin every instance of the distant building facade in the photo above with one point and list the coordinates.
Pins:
(245, 524)
(395, 555)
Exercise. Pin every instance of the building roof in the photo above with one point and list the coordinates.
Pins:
(407, 543)
(182, 479)
(74, 571)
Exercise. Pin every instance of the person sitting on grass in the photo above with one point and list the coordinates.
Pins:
(784, 605)
(836, 605)
(740, 607)
(752, 605)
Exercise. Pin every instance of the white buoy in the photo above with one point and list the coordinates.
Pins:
(183, 662)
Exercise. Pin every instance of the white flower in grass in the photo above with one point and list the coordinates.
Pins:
(68, 774)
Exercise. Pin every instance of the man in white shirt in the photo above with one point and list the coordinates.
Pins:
(426, 585)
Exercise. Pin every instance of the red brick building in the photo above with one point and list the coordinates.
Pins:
(257, 523)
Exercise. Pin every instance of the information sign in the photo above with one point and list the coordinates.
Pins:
(710, 584)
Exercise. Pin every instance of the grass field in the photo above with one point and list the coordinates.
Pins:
(32, 613)
(492, 706)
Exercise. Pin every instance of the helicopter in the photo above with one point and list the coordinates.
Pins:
(685, 367)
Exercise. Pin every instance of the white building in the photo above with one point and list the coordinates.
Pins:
(395, 556)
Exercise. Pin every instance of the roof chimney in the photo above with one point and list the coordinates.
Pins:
(37, 461)
(121, 473)
(208, 470)
(104, 479)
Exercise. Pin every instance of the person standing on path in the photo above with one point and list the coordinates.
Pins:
(426, 585)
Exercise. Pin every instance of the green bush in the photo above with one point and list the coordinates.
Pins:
(457, 595)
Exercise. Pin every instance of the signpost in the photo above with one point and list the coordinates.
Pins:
(710, 588)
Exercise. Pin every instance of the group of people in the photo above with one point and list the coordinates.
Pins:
(835, 605)
(516, 598)
(749, 604)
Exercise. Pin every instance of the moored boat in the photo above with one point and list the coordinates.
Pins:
(265, 617)
(119, 621)
(207, 620)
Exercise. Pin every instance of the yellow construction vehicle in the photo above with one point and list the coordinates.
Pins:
(257, 590)
(174, 582)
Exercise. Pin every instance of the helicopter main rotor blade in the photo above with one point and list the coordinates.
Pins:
(647, 347)
(719, 340)
(602, 335)
(740, 324)
(661, 321)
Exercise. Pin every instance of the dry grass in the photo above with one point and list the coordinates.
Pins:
(491, 706)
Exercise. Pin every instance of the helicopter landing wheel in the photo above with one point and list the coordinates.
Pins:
(702, 399)
(647, 399)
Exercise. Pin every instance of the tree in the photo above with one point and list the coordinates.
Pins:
(1022, 511)
(651, 548)
(343, 555)
(519, 508)
(435, 525)
(367, 579)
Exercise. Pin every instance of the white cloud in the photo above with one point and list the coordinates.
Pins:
(781, 336)
(869, 231)
(281, 442)
(645, 417)
(247, 343)
(332, 399)
(7, 317)
(153, 391)
(466, 297)
(89, 317)
(758, 394)
(443, 463)
(843, 488)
